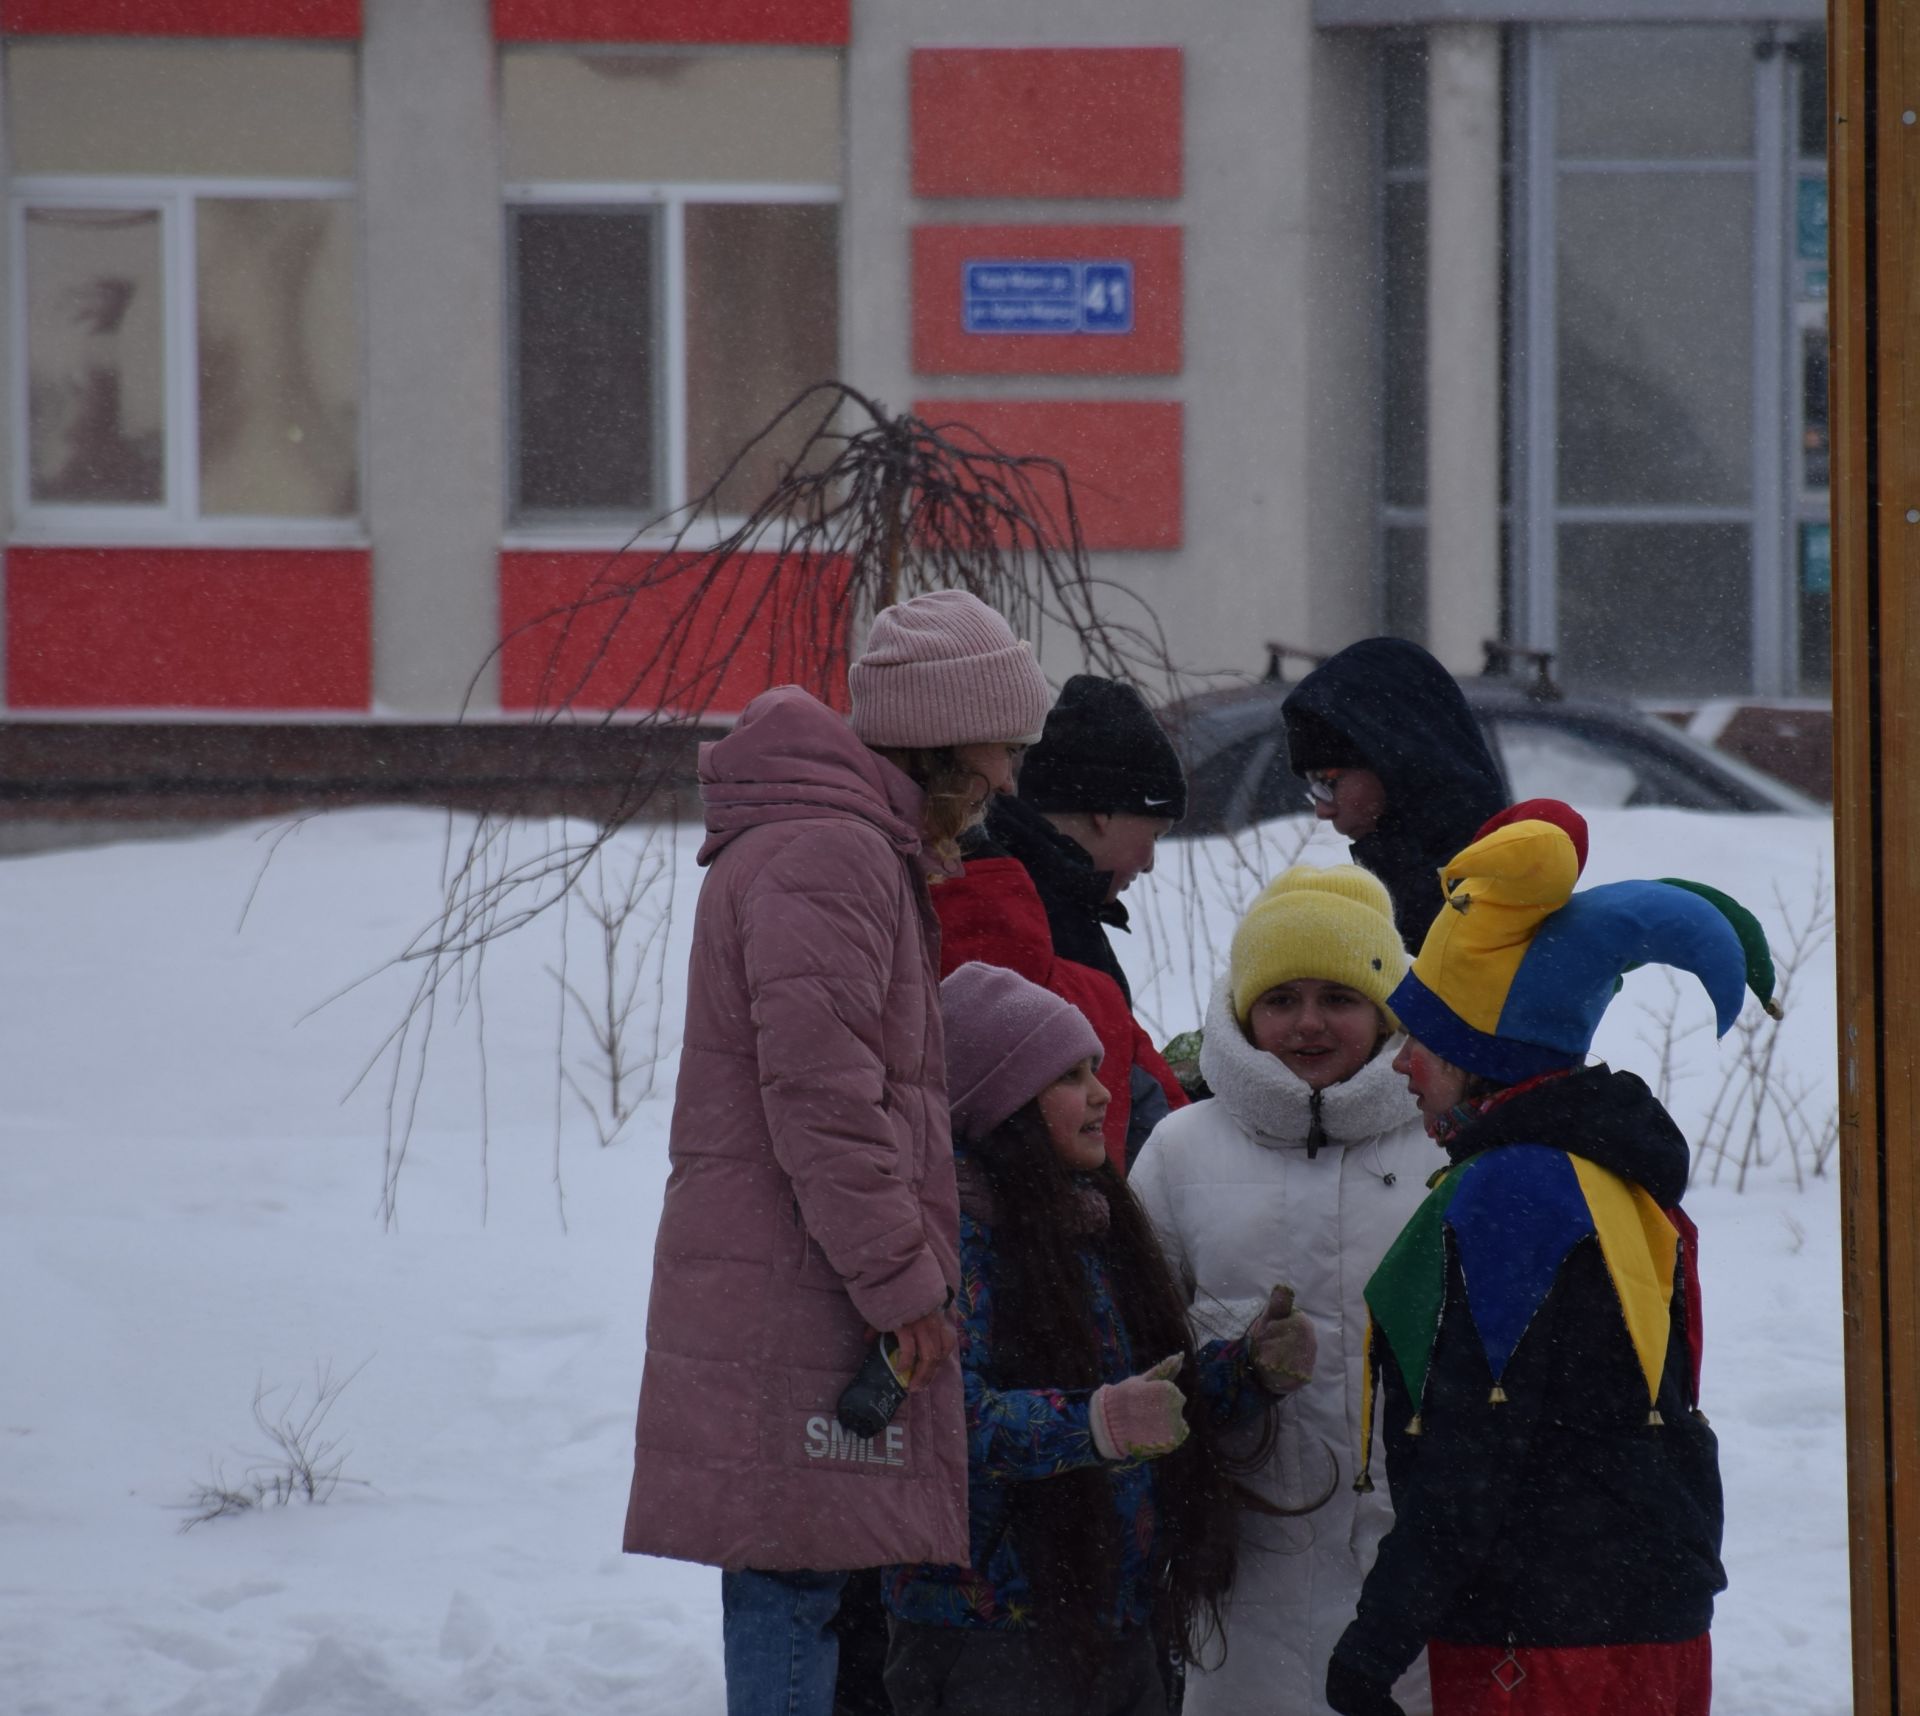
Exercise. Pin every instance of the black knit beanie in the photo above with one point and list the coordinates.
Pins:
(1103, 751)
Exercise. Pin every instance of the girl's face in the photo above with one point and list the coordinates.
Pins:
(994, 767)
(1074, 1107)
(1321, 1032)
(1438, 1086)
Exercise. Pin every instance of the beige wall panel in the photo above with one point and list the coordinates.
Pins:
(1279, 460)
(214, 110)
(1463, 343)
(625, 117)
(1246, 571)
(1342, 433)
(435, 412)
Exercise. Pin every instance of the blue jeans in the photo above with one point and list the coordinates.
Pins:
(780, 1649)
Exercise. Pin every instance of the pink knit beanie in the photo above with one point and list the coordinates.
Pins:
(1007, 1040)
(945, 669)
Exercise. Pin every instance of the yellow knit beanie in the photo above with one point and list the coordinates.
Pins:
(1334, 924)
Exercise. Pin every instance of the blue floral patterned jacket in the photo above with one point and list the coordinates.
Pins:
(1024, 1434)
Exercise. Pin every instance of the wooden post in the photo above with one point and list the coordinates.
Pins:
(1874, 156)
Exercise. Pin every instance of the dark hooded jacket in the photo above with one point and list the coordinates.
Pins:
(1561, 1516)
(1387, 705)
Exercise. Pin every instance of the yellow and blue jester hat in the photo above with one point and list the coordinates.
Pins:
(1510, 984)
(1517, 969)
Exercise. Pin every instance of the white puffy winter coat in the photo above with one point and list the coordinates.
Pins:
(1245, 1194)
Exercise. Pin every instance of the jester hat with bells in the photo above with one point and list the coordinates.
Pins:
(1510, 984)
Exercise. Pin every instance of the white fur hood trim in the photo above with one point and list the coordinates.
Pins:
(1275, 1105)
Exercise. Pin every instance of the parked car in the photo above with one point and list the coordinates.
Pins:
(1596, 753)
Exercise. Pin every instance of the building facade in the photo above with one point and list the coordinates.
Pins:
(344, 336)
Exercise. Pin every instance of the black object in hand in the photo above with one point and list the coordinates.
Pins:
(868, 1403)
(1355, 1694)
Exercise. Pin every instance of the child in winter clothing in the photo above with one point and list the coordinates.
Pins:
(1306, 1162)
(812, 1192)
(1092, 1485)
(1536, 1327)
(1043, 880)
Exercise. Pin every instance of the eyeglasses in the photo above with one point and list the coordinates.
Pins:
(1322, 784)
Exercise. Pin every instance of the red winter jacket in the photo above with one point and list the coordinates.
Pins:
(992, 912)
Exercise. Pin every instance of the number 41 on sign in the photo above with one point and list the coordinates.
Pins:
(1048, 297)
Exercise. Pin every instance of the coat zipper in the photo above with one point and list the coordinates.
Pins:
(1316, 1133)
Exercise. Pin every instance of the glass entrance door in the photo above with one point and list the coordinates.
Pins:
(1670, 336)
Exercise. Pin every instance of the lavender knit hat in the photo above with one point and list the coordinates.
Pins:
(945, 669)
(1007, 1040)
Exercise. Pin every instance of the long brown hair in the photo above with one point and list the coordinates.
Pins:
(1065, 1529)
(955, 801)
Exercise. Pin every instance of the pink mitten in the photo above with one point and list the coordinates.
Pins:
(1283, 1344)
(1143, 1417)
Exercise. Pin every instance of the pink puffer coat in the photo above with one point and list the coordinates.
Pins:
(812, 1193)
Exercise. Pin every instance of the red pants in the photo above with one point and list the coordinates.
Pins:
(1588, 1680)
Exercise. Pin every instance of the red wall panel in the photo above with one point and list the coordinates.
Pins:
(1046, 122)
(656, 645)
(1122, 458)
(788, 23)
(329, 19)
(189, 628)
(942, 346)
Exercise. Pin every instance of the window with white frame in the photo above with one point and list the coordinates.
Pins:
(673, 276)
(185, 290)
(1665, 359)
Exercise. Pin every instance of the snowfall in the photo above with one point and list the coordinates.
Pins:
(210, 1219)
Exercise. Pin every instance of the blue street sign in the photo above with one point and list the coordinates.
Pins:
(1047, 297)
(1106, 297)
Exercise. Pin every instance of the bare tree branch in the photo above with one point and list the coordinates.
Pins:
(873, 508)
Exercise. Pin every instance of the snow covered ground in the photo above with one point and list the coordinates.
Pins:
(191, 1210)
